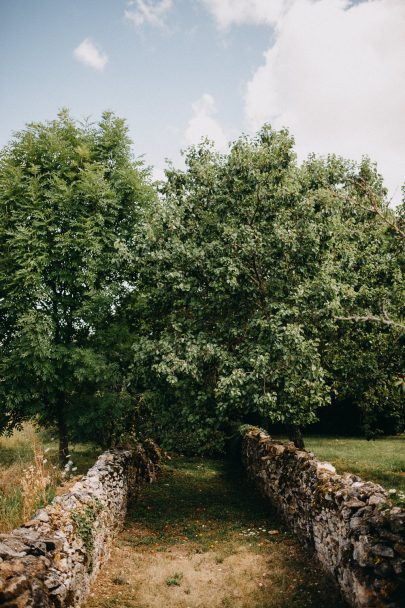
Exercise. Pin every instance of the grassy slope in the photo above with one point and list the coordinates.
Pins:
(382, 460)
(201, 536)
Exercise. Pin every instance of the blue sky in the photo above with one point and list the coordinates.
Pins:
(181, 69)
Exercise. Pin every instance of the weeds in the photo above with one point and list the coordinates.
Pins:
(38, 480)
(27, 477)
(174, 580)
(84, 521)
(29, 474)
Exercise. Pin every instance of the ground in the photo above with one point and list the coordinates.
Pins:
(201, 537)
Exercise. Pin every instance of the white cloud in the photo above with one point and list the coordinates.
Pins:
(149, 12)
(237, 12)
(203, 123)
(334, 76)
(90, 55)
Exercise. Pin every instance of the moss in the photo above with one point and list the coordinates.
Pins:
(84, 520)
(244, 429)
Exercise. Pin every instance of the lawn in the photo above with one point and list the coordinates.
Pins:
(381, 460)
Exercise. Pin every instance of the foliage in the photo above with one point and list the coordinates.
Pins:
(252, 289)
(174, 580)
(254, 265)
(84, 521)
(70, 197)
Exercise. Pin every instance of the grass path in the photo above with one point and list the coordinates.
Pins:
(201, 537)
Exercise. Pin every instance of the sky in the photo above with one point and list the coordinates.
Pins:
(332, 71)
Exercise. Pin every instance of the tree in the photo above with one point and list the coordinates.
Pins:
(254, 258)
(70, 197)
(364, 351)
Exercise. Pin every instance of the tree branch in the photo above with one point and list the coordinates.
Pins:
(372, 318)
(375, 208)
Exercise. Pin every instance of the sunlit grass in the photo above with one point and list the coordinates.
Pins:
(382, 460)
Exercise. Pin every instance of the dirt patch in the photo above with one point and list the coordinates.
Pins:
(202, 538)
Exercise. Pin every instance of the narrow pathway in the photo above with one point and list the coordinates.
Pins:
(203, 538)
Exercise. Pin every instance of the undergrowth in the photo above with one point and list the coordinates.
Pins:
(29, 473)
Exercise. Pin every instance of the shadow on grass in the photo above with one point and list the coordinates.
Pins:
(208, 505)
(203, 501)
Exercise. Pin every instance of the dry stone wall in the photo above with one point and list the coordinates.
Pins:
(356, 533)
(52, 559)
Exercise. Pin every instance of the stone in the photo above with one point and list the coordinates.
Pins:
(376, 499)
(399, 547)
(361, 553)
(383, 550)
(326, 466)
(339, 516)
(7, 552)
(46, 563)
(42, 516)
(354, 503)
(398, 566)
(14, 543)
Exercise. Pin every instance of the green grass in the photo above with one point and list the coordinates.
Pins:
(174, 580)
(381, 461)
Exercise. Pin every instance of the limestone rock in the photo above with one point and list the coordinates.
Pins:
(355, 537)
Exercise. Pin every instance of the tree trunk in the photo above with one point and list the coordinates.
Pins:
(63, 438)
(265, 423)
(294, 434)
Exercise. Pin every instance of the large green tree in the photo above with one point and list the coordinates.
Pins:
(254, 263)
(71, 196)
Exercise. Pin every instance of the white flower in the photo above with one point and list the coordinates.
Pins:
(392, 491)
(44, 460)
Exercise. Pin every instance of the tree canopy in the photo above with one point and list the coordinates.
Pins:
(247, 287)
(70, 196)
(256, 262)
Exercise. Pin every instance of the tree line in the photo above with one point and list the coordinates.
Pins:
(245, 287)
